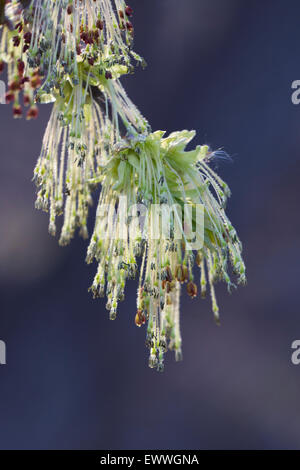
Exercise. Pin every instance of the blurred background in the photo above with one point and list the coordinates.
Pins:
(75, 380)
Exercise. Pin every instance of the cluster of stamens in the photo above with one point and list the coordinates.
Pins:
(73, 53)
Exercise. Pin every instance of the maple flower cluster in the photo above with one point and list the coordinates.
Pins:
(72, 53)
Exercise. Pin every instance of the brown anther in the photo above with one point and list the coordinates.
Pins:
(9, 97)
(83, 36)
(16, 41)
(108, 75)
(17, 111)
(27, 37)
(32, 113)
(19, 27)
(185, 273)
(100, 25)
(168, 274)
(128, 11)
(26, 100)
(24, 80)
(198, 259)
(70, 9)
(192, 289)
(180, 273)
(21, 67)
(168, 287)
(96, 34)
(140, 318)
(14, 85)
(35, 81)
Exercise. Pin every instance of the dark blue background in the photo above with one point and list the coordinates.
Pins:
(74, 379)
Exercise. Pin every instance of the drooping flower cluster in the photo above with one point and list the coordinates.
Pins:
(73, 53)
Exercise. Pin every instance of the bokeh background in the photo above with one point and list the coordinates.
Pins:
(75, 380)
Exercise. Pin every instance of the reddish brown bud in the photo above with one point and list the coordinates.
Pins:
(70, 9)
(121, 14)
(129, 26)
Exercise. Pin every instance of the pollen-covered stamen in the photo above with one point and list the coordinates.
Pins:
(16, 41)
(129, 11)
(65, 39)
(17, 111)
(192, 289)
(9, 97)
(140, 318)
(32, 113)
(70, 156)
